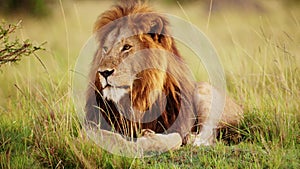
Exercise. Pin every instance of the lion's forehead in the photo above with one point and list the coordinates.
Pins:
(111, 38)
(117, 35)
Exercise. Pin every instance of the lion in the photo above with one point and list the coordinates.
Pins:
(140, 86)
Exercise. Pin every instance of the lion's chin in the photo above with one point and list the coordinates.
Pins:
(114, 94)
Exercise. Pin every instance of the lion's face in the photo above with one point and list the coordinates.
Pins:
(131, 64)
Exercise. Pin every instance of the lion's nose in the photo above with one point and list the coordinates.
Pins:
(106, 73)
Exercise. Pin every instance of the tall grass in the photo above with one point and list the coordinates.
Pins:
(260, 54)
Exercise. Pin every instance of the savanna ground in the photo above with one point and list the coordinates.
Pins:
(259, 50)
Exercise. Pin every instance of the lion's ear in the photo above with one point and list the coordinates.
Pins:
(156, 26)
(156, 29)
(159, 32)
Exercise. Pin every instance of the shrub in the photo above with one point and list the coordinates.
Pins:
(12, 49)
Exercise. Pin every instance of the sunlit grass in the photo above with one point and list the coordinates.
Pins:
(260, 55)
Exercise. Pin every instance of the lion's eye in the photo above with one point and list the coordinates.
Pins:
(105, 49)
(126, 47)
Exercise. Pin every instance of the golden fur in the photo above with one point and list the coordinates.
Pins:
(164, 89)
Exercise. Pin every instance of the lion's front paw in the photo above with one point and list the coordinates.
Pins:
(158, 142)
(147, 133)
(203, 142)
(205, 138)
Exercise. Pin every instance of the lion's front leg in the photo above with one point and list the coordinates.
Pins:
(207, 122)
(150, 142)
(225, 112)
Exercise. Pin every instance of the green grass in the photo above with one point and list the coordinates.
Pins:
(260, 54)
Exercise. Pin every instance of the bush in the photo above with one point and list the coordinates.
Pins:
(12, 50)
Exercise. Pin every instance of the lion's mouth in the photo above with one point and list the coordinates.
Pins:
(108, 86)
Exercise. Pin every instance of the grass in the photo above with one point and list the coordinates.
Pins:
(260, 54)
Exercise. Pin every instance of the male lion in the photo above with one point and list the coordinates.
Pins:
(140, 86)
